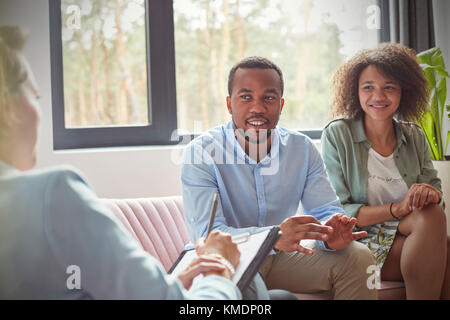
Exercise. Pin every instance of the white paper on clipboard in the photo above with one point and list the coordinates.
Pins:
(248, 250)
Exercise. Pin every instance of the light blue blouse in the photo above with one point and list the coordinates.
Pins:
(51, 221)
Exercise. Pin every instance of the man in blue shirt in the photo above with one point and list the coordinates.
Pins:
(263, 173)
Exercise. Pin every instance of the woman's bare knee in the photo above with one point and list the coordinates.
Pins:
(431, 218)
(434, 216)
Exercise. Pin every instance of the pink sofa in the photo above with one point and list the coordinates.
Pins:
(158, 226)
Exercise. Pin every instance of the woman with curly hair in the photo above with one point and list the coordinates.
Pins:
(379, 164)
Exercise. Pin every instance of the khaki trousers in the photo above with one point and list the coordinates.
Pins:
(344, 272)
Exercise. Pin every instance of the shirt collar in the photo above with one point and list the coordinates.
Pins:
(6, 169)
(231, 139)
(357, 128)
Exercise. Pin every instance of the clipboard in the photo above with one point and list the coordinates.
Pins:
(253, 253)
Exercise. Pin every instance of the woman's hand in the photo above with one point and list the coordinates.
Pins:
(209, 262)
(201, 265)
(424, 195)
(219, 243)
(418, 196)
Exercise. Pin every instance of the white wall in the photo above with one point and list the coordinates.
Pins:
(117, 172)
(121, 172)
(441, 13)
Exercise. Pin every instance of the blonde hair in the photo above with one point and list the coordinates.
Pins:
(12, 70)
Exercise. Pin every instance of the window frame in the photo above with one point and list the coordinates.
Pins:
(383, 36)
(162, 111)
(384, 33)
(162, 106)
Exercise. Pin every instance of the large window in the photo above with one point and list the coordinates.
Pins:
(113, 77)
(308, 39)
(104, 63)
(114, 62)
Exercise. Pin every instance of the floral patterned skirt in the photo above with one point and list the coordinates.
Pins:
(379, 239)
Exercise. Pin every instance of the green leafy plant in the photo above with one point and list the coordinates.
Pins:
(433, 65)
(448, 132)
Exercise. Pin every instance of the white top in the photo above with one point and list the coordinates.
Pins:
(385, 183)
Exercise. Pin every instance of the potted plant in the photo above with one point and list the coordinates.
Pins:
(433, 65)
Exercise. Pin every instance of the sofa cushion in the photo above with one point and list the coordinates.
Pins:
(156, 223)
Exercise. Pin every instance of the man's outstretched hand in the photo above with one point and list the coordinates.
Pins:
(297, 228)
(342, 234)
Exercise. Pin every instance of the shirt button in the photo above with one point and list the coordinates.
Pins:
(192, 220)
(260, 196)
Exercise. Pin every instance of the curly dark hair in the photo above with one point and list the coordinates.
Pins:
(396, 62)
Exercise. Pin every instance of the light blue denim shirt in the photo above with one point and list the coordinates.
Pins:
(253, 196)
(51, 220)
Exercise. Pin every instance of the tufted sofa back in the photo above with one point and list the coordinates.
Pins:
(156, 223)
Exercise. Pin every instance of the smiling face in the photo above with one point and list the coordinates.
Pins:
(255, 102)
(379, 96)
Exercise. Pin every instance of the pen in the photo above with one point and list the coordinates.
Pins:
(243, 237)
(212, 214)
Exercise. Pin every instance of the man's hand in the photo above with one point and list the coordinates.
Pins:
(342, 234)
(297, 228)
